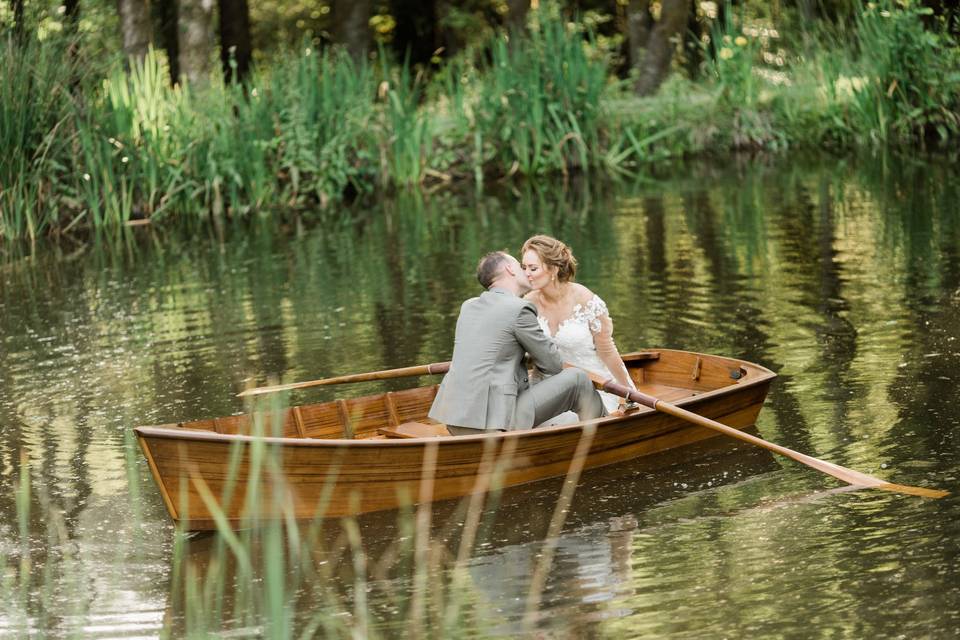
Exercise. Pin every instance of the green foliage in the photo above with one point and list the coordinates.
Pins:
(33, 109)
(894, 82)
(143, 149)
(539, 100)
(277, 24)
(405, 149)
(671, 124)
(88, 144)
(733, 69)
(910, 86)
(322, 107)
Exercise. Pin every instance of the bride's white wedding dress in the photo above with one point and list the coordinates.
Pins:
(575, 341)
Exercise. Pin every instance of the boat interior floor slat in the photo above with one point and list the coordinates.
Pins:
(664, 392)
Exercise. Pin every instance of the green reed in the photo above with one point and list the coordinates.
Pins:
(322, 106)
(912, 86)
(406, 135)
(34, 85)
(23, 527)
(893, 80)
(539, 100)
(43, 576)
(281, 576)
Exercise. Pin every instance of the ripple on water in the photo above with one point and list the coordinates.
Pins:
(849, 294)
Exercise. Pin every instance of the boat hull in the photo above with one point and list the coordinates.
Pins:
(212, 479)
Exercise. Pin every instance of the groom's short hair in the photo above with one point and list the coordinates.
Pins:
(490, 266)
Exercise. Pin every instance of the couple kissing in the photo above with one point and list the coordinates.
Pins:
(529, 309)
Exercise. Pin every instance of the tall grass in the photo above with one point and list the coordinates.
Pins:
(893, 80)
(539, 102)
(321, 109)
(34, 108)
(284, 580)
(405, 135)
(292, 139)
(911, 74)
(41, 569)
(309, 131)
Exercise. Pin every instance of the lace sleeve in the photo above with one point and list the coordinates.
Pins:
(596, 310)
(603, 341)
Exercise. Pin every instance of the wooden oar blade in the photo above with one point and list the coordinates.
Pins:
(262, 390)
(913, 491)
(850, 476)
(859, 479)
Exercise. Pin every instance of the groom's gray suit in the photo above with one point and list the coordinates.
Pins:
(487, 385)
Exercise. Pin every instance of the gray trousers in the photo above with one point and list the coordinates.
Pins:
(569, 390)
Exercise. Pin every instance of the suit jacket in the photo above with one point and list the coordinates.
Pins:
(487, 371)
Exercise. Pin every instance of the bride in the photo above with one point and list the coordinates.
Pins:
(571, 315)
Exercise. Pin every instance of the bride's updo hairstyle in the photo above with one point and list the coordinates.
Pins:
(553, 253)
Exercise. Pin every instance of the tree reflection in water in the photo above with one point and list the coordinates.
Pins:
(843, 276)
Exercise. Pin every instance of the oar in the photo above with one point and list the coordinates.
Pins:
(386, 374)
(841, 473)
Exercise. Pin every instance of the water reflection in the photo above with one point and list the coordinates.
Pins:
(842, 276)
(593, 564)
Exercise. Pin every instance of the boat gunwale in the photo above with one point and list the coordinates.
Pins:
(178, 433)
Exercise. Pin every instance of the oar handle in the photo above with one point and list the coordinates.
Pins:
(608, 385)
(435, 368)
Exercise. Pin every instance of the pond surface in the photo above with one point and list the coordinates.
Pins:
(841, 275)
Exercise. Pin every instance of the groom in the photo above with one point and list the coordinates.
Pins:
(487, 387)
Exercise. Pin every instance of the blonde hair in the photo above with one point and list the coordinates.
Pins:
(553, 253)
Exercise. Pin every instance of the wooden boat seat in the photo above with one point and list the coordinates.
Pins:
(415, 430)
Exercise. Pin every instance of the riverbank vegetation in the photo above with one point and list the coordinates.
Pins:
(94, 135)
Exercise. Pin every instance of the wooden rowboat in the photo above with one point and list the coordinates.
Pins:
(380, 451)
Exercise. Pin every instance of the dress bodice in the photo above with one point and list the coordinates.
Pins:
(574, 336)
(574, 339)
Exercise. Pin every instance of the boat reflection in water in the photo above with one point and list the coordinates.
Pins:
(592, 549)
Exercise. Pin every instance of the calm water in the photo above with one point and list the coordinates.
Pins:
(841, 275)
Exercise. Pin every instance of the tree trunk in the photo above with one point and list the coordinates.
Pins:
(351, 27)
(135, 28)
(719, 25)
(449, 38)
(166, 15)
(639, 23)
(195, 20)
(235, 47)
(19, 29)
(662, 44)
(416, 34)
(517, 14)
(693, 42)
(71, 10)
